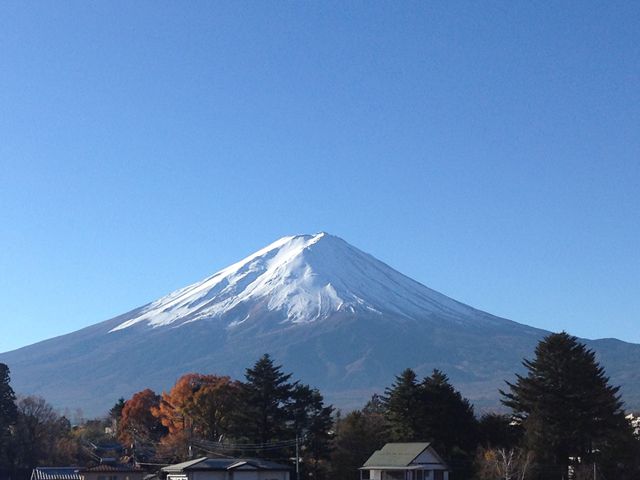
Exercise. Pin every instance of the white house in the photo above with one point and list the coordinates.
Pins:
(227, 469)
(405, 461)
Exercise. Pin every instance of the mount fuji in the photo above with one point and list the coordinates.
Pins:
(336, 317)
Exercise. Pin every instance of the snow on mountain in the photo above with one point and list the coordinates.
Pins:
(306, 278)
(336, 317)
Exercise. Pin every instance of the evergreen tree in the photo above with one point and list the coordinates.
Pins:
(266, 397)
(565, 405)
(402, 408)
(375, 405)
(433, 411)
(496, 430)
(448, 421)
(8, 413)
(447, 417)
(115, 413)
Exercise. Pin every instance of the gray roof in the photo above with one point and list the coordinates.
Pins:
(396, 454)
(224, 463)
(55, 473)
(111, 467)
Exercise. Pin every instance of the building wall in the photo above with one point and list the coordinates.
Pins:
(112, 476)
(429, 473)
(260, 475)
(233, 475)
(219, 475)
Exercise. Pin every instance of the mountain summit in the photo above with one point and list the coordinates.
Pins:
(304, 278)
(338, 318)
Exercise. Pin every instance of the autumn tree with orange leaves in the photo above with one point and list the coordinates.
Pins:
(137, 423)
(198, 406)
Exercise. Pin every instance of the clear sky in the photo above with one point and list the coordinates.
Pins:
(490, 150)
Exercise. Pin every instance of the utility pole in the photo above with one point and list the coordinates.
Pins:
(297, 458)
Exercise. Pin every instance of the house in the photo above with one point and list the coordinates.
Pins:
(55, 473)
(111, 471)
(405, 461)
(226, 468)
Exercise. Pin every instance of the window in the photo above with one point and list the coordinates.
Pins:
(438, 475)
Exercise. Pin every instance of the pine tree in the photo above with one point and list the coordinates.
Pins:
(115, 413)
(265, 398)
(8, 412)
(402, 402)
(565, 404)
(448, 421)
(447, 417)
(496, 430)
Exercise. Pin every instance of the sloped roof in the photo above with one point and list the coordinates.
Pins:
(111, 467)
(55, 473)
(178, 467)
(396, 454)
(224, 463)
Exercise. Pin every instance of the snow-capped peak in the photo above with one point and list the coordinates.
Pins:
(305, 278)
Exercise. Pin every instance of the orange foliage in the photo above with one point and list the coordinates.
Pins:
(198, 405)
(137, 419)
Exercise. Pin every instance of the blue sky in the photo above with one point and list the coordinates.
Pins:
(490, 150)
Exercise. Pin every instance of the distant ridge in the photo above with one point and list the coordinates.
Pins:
(337, 317)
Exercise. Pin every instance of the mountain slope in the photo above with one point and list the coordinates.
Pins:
(337, 317)
(306, 278)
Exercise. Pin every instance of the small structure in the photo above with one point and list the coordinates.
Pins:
(55, 473)
(405, 461)
(226, 468)
(111, 471)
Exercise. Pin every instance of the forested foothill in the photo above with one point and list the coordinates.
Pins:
(559, 419)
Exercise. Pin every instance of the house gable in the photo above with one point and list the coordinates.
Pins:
(429, 457)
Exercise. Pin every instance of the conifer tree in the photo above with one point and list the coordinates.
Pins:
(447, 417)
(402, 407)
(115, 413)
(265, 398)
(496, 430)
(8, 412)
(565, 404)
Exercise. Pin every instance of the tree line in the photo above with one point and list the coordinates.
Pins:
(564, 419)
